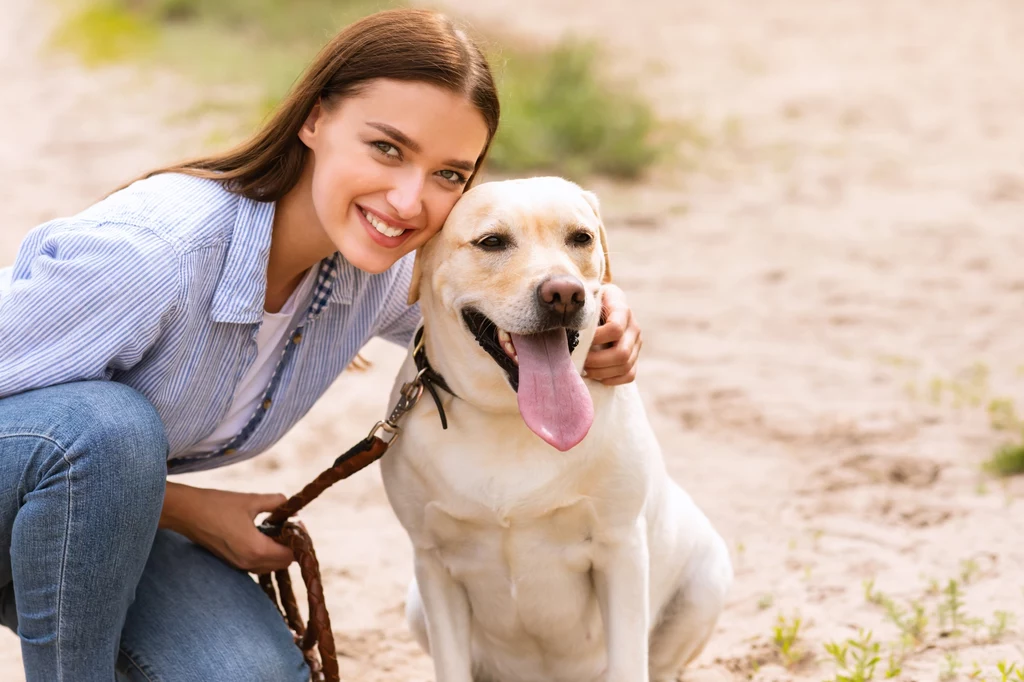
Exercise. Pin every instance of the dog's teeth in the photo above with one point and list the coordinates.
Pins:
(505, 339)
(510, 350)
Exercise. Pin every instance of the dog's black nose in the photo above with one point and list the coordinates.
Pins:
(562, 294)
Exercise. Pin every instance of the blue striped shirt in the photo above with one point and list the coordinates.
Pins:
(161, 287)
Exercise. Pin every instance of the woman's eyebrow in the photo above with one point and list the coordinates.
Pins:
(397, 135)
(403, 139)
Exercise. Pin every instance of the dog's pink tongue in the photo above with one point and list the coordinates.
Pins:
(553, 399)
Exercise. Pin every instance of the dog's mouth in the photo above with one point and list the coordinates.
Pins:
(553, 400)
(500, 346)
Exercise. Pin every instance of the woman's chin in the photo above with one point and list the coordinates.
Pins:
(371, 261)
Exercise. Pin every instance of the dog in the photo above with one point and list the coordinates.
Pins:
(550, 544)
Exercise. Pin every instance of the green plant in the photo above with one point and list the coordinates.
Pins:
(952, 667)
(765, 602)
(106, 32)
(1002, 415)
(895, 666)
(912, 624)
(1005, 672)
(856, 659)
(969, 570)
(785, 633)
(950, 611)
(1001, 621)
(1008, 460)
(838, 652)
(871, 595)
(559, 114)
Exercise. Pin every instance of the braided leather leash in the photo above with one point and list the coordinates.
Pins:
(316, 633)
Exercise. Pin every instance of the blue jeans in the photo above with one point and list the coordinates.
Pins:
(94, 591)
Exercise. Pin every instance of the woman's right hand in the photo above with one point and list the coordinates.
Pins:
(222, 522)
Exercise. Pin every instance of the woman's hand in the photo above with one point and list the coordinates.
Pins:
(616, 346)
(222, 522)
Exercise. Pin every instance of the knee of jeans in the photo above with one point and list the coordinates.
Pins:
(277, 661)
(284, 663)
(247, 662)
(118, 429)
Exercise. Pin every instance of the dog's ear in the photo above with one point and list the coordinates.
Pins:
(594, 204)
(417, 271)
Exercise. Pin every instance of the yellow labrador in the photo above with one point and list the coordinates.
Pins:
(550, 543)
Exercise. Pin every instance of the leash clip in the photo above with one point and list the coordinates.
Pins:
(409, 395)
(390, 431)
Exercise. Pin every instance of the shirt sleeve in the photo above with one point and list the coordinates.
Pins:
(84, 299)
(398, 320)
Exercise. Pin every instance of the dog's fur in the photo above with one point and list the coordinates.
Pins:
(533, 564)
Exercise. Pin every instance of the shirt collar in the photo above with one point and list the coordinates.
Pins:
(334, 284)
(242, 289)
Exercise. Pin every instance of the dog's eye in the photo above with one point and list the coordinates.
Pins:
(492, 242)
(582, 238)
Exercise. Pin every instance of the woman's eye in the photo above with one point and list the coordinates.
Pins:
(387, 149)
(492, 243)
(582, 238)
(453, 177)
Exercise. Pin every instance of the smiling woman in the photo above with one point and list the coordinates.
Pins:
(387, 167)
(188, 321)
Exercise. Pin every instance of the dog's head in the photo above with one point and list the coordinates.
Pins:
(510, 295)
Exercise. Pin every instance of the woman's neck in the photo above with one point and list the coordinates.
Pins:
(297, 242)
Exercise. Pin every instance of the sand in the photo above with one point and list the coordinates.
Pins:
(840, 305)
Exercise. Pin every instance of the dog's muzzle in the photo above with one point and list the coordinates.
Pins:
(486, 334)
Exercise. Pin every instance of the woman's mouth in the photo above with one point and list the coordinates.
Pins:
(382, 226)
(381, 231)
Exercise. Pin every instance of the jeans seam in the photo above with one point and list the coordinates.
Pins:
(41, 436)
(63, 568)
(138, 666)
(67, 537)
(29, 434)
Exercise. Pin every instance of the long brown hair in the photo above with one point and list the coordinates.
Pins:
(401, 44)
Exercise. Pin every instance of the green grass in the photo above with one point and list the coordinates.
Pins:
(560, 114)
(1008, 460)
(785, 636)
(557, 113)
(103, 32)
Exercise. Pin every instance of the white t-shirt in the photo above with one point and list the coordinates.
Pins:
(270, 342)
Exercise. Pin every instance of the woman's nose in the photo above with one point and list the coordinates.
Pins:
(406, 197)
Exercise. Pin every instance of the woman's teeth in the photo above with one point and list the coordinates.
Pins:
(381, 226)
(505, 339)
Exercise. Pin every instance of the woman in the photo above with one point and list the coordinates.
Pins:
(187, 322)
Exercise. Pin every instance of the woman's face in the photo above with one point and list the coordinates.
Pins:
(388, 164)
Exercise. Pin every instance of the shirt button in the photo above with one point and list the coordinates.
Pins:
(230, 451)
(267, 403)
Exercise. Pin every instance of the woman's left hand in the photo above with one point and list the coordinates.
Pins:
(616, 346)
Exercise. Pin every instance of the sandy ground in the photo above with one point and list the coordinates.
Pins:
(842, 302)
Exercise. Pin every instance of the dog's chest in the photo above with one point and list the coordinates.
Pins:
(510, 566)
(515, 543)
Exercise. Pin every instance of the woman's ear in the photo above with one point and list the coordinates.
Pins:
(310, 127)
(594, 204)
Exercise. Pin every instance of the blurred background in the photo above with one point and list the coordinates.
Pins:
(816, 208)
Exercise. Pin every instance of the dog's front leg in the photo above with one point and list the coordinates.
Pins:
(621, 578)
(446, 608)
